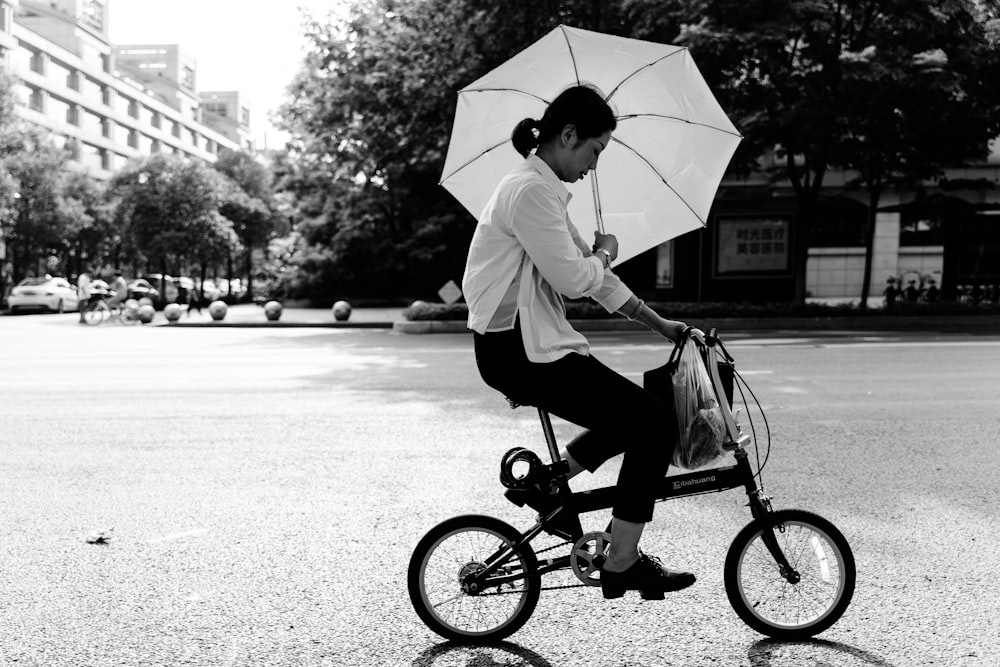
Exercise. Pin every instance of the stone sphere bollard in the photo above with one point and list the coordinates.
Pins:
(341, 311)
(145, 301)
(172, 312)
(272, 311)
(146, 313)
(217, 309)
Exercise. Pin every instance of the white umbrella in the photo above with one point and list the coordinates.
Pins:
(656, 179)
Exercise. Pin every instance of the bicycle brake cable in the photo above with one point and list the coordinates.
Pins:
(753, 430)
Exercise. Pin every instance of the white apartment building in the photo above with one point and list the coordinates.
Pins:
(107, 103)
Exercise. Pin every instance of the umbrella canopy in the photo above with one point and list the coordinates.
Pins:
(656, 179)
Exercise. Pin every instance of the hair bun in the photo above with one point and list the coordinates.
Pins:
(525, 136)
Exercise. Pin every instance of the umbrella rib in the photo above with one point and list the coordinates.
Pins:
(572, 57)
(660, 176)
(646, 66)
(683, 120)
(484, 152)
(502, 90)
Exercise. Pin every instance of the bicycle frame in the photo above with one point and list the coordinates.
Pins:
(679, 486)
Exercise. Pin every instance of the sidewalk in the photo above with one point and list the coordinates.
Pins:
(250, 315)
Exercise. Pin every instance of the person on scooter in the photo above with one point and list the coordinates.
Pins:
(525, 257)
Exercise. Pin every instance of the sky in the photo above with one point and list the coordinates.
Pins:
(251, 46)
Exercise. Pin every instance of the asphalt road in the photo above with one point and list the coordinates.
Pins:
(264, 488)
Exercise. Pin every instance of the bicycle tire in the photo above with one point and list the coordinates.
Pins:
(96, 313)
(766, 601)
(450, 551)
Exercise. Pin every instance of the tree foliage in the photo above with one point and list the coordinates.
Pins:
(370, 111)
(370, 115)
(168, 209)
(890, 90)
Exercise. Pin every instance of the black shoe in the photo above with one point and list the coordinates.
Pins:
(565, 524)
(647, 575)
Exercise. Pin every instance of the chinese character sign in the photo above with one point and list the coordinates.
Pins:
(751, 245)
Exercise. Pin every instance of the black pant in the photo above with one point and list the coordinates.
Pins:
(619, 414)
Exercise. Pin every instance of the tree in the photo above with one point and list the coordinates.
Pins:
(169, 210)
(33, 173)
(90, 234)
(921, 99)
(249, 204)
(821, 83)
(370, 116)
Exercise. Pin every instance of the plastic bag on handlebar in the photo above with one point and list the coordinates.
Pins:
(699, 417)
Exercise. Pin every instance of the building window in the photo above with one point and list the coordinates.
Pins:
(36, 62)
(133, 108)
(838, 223)
(93, 124)
(245, 116)
(93, 14)
(218, 108)
(175, 129)
(157, 120)
(36, 100)
(154, 147)
(93, 157)
(665, 265)
(122, 104)
(187, 77)
(133, 139)
(922, 222)
(60, 110)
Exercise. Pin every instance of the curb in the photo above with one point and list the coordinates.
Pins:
(280, 325)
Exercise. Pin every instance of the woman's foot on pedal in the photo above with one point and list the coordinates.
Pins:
(647, 575)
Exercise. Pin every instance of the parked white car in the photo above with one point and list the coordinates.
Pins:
(55, 294)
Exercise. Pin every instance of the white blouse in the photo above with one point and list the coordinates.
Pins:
(525, 244)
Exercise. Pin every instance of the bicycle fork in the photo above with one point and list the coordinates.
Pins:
(760, 508)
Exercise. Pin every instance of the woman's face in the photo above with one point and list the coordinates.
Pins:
(580, 156)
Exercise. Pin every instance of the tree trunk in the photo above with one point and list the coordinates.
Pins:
(250, 273)
(874, 195)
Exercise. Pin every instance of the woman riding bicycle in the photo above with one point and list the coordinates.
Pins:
(525, 256)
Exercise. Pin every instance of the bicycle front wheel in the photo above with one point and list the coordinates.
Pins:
(439, 572)
(96, 313)
(766, 601)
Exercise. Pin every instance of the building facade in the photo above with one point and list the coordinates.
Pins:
(947, 232)
(106, 103)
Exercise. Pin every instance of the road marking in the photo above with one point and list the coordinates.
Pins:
(178, 536)
(918, 343)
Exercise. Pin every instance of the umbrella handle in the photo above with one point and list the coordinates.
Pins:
(597, 200)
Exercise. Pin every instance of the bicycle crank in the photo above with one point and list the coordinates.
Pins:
(588, 556)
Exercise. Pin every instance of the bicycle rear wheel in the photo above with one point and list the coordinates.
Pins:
(96, 313)
(438, 580)
(766, 601)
